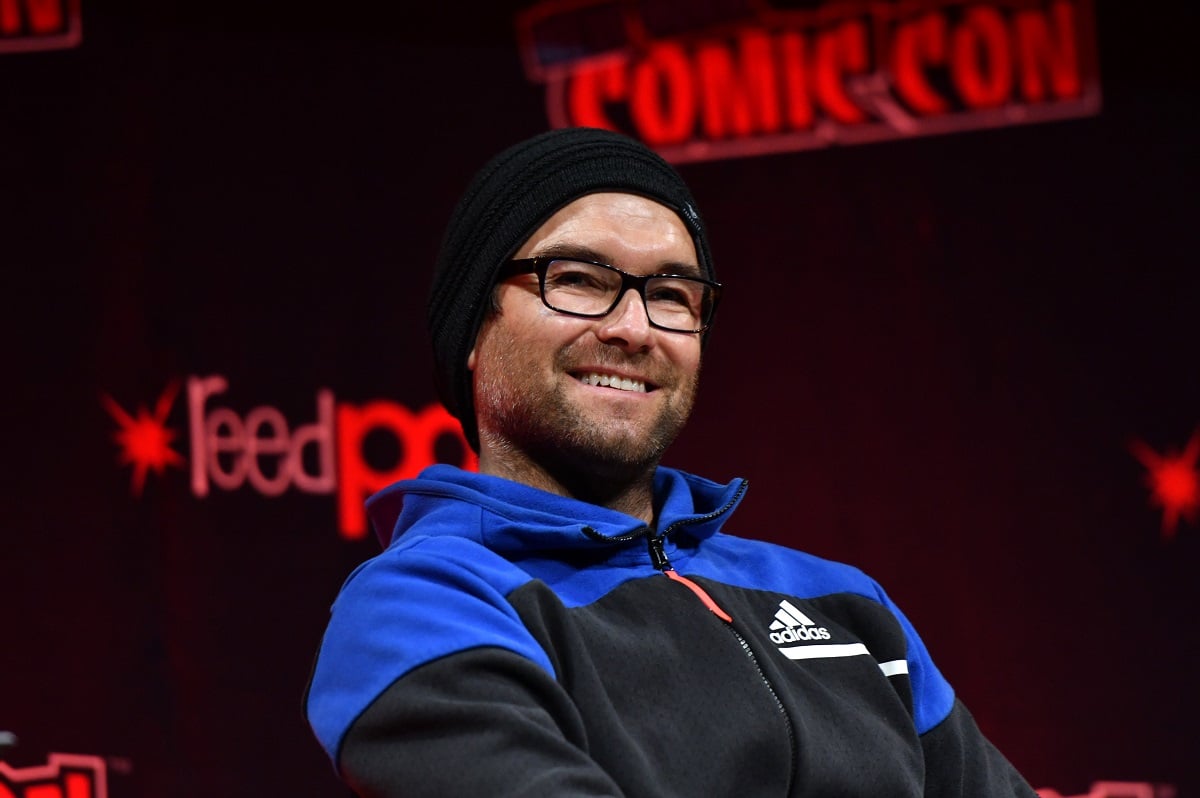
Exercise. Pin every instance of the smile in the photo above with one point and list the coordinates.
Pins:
(613, 381)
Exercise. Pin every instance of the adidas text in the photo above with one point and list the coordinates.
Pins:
(798, 633)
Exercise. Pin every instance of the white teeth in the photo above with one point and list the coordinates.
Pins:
(613, 381)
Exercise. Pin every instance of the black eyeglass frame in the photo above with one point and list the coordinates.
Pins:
(540, 265)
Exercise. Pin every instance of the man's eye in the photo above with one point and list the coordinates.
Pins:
(570, 278)
(576, 279)
(670, 295)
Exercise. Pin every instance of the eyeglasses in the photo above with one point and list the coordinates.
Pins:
(582, 288)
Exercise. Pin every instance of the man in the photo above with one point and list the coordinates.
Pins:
(572, 621)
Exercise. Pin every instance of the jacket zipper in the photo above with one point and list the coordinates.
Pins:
(659, 557)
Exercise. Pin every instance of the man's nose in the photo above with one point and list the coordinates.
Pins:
(627, 325)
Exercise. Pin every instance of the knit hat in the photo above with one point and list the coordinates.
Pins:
(506, 202)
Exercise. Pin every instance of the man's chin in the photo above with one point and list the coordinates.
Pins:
(566, 436)
(614, 450)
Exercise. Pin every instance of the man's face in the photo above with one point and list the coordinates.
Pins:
(530, 363)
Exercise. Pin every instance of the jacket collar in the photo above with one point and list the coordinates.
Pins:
(505, 515)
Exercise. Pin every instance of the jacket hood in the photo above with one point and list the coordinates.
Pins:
(510, 516)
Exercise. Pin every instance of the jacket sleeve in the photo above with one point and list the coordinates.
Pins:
(960, 762)
(478, 722)
(429, 684)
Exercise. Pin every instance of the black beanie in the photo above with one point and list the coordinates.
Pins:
(506, 202)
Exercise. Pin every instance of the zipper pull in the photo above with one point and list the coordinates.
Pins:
(659, 558)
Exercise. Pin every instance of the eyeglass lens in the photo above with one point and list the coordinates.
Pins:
(676, 303)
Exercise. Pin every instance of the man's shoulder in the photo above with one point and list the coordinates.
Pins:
(417, 562)
(762, 564)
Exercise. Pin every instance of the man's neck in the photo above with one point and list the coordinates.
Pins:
(616, 489)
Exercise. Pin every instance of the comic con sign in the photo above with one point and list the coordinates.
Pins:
(232, 447)
(744, 77)
(29, 25)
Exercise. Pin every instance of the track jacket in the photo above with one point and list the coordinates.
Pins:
(510, 642)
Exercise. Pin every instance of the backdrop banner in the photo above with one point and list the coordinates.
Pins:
(957, 345)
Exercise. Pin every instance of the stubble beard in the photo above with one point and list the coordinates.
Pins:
(541, 423)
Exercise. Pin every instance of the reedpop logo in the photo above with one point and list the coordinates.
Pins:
(260, 449)
(63, 776)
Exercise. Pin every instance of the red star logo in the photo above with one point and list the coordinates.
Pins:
(1173, 480)
(145, 441)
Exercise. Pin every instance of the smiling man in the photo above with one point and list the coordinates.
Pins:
(573, 620)
(573, 394)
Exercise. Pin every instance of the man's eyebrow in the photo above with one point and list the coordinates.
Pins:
(683, 270)
(580, 252)
(564, 249)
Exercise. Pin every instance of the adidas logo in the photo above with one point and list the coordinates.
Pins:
(793, 626)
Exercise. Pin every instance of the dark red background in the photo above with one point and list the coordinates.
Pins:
(931, 360)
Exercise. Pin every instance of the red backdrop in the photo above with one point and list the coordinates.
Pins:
(933, 356)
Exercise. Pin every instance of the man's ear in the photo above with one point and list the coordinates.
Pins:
(471, 360)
